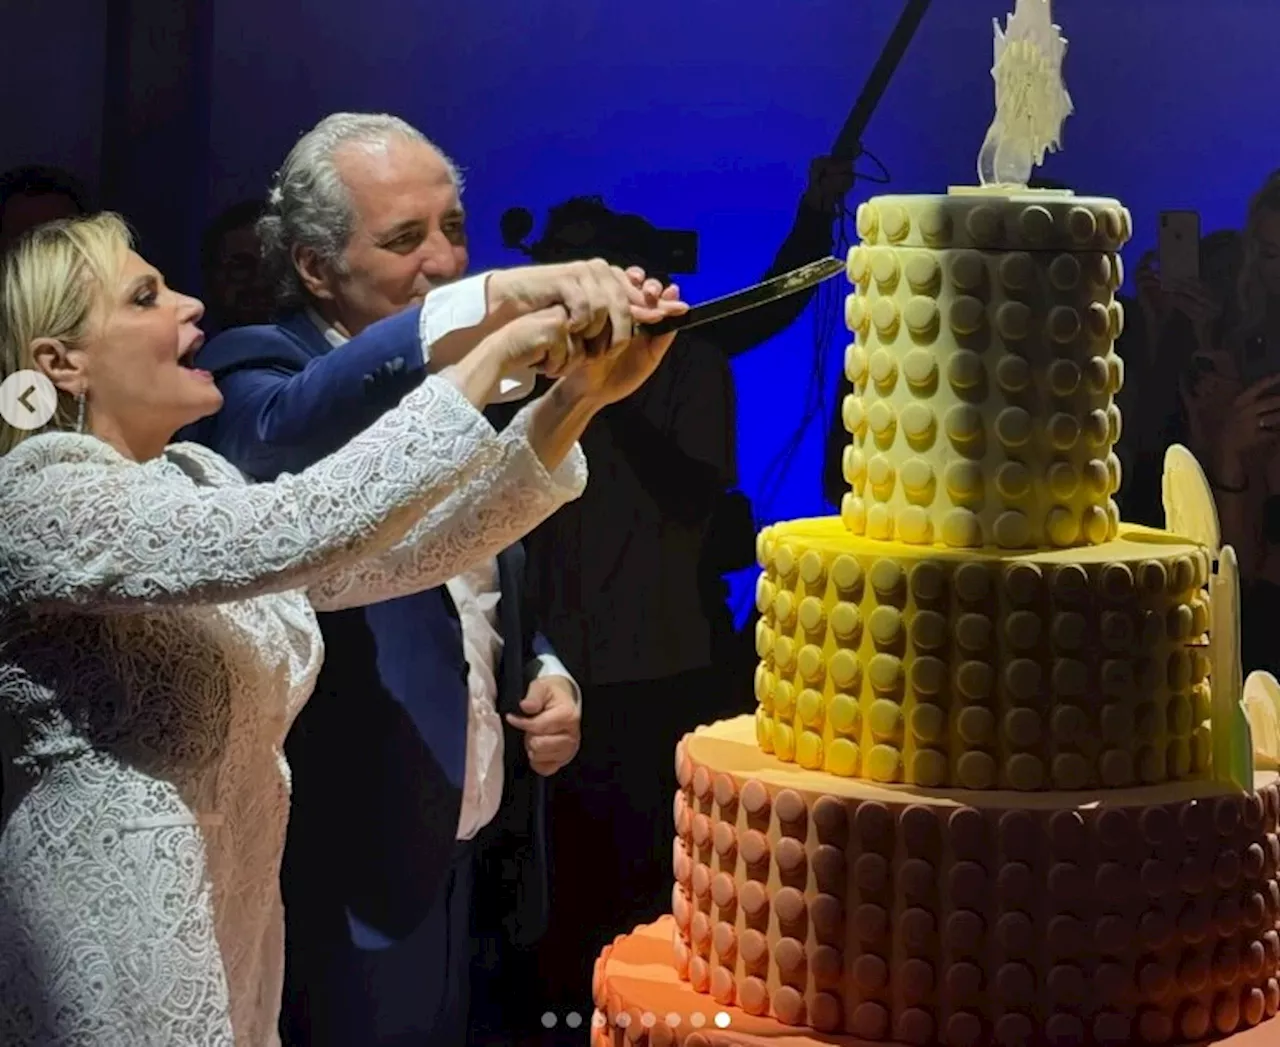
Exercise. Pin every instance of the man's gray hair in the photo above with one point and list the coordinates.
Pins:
(309, 204)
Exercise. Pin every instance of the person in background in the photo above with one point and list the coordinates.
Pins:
(1231, 396)
(33, 195)
(1168, 327)
(157, 626)
(237, 292)
(426, 811)
(629, 588)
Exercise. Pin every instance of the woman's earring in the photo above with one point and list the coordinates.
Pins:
(80, 412)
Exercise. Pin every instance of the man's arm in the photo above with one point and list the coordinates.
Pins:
(810, 238)
(541, 660)
(283, 411)
(277, 419)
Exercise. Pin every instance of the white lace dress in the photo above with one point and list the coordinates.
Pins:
(157, 638)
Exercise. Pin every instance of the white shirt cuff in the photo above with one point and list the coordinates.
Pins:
(453, 307)
(549, 665)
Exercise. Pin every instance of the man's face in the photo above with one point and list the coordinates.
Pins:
(24, 211)
(409, 234)
(239, 293)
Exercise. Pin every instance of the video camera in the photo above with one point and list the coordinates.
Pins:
(584, 227)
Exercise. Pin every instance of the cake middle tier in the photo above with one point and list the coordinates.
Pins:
(982, 410)
(1058, 669)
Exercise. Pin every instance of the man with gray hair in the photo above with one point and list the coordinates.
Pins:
(411, 795)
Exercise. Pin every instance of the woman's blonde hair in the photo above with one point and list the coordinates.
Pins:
(51, 281)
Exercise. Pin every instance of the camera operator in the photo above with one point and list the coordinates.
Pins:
(628, 585)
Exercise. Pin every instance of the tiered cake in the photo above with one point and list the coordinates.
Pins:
(978, 802)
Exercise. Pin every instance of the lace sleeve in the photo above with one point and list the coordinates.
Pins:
(475, 522)
(80, 530)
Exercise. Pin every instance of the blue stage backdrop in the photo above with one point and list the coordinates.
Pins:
(704, 114)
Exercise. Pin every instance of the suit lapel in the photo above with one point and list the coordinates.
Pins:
(511, 674)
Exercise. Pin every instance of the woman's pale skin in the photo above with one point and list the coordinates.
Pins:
(135, 372)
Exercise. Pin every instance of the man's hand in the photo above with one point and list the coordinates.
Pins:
(597, 298)
(830, 180)
(551, 722)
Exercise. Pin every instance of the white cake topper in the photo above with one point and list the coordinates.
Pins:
(1032, 102)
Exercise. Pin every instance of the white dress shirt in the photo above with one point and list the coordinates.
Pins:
(476, 592)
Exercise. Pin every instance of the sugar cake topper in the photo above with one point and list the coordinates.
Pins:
(1262, 704)
(1189, 510)
(1032, 102)
(1230, 730)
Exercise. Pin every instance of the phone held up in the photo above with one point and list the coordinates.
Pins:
(1179, 246)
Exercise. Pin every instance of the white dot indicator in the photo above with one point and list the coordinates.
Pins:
(697, 1020)
(573, 1019)
(673, 1020)
(623, 1020)
(722, 1020)
(648, 1019)
(598, 1020)
(548, 1020)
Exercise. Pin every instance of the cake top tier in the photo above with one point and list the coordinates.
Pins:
(997, 219)
(983, 379)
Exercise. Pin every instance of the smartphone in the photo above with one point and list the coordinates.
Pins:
(1179, 245)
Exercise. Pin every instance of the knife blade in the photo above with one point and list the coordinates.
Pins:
(797, 280)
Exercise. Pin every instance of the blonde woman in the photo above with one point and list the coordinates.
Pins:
(157, 633)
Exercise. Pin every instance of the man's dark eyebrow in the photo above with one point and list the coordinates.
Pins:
(398, 230)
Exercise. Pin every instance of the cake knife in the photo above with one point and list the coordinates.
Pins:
(751, 298)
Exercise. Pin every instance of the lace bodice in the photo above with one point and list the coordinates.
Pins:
(157, 637)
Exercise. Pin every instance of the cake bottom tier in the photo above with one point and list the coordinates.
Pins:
(930, 917)
(641, 1002)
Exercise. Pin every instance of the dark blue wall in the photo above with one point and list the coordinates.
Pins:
(51, 70)
(704, 114)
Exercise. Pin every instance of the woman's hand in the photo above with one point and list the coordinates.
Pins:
(539, 340)
(600, 378)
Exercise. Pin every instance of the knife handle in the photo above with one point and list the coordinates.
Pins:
(663, 326)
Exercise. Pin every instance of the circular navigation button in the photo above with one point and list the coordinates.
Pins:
(27, 400)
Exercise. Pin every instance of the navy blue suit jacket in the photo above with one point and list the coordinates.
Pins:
(378, 753)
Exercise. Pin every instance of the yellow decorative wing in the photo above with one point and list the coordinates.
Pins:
(1228, 723)
(1262, 706)
(1189, 509)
